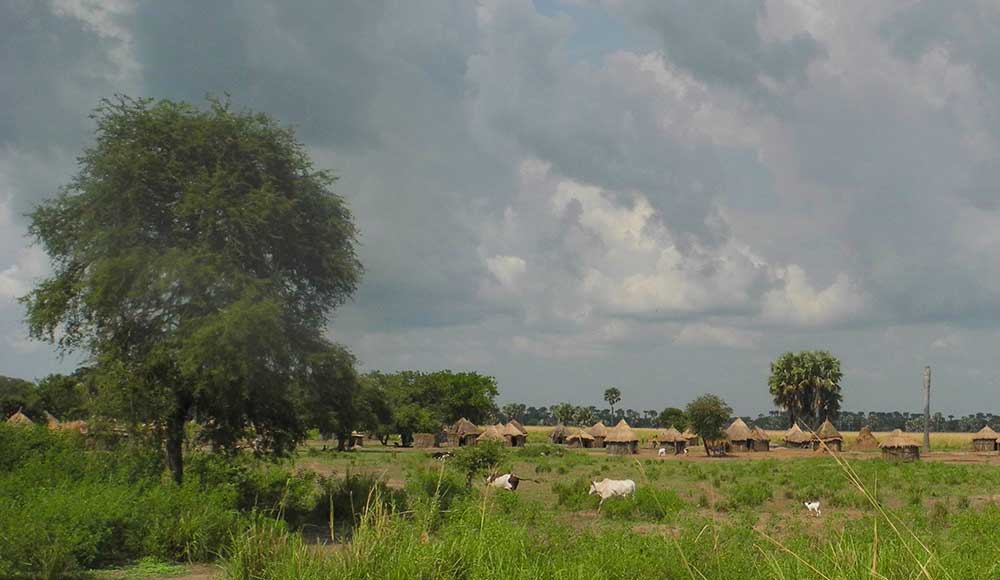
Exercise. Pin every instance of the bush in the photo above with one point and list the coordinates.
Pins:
(574, 494)
(648, 503)
(749, 494)
(479, 460)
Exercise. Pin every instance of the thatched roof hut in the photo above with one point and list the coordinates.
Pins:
(491, 433)
(356, 439)
(559, 433)
(19, 418)
(899, 447)
(829, 435)
(739, 435)
(466, 431)
(761, 441)
(515, 437)
(621, 440)
(580, 438)
(50, 421)
(985, 439)
(424, 440)
(517, 424)
(671, 439)
(796, 437)
(866, 441)
(600, 432)
(691, 436)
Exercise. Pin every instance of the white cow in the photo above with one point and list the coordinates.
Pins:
(506, 481)
(611, 487)
(813, 507)
(662, 452)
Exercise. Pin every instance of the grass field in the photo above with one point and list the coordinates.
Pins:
(692, 517)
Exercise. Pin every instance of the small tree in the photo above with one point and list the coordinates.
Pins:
(806, 385)
(564, 412)
(672, 416)
(514, 411)
(483, 458)
(613, 396)
(708, 415)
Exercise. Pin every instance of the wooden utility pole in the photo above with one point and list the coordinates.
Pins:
(927, 409)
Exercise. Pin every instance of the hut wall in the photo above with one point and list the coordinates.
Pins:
(901, 453)
(615, 448)
(356, 442)
(598, 442)
(762, 445)
(452, 440)
(423, 440)
(984, 444)
(741, 445)
(467, 440)
(679, 447)
(834, 445)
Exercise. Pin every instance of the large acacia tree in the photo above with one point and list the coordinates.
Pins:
(196, 255)
(807, 385)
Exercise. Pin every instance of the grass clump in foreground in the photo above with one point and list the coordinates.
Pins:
(481, 538)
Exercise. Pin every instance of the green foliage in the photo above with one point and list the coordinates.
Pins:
(195, 255)
(64, 508)
(649, 503)
(479, 460)
(746, 495)
(67, 397)
(708, 415)
(612, 396)
(422, 402)
(573, 494)
(807, 385)
(19, 394)
(673, 417)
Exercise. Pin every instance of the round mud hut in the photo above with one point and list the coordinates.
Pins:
(672, 440)
(19, 418)
(796, 438)
(356, 439)
(760, 441)
(466, 432)
(866, 441)
(899, 447)
(580, 438)
(600, 432)
(621, 440)
(985, 439)
(829, 435)
(691, 436)
(424, 440)
(514, 436)
(491, 433)
(739, 435)
(517, 424)
(558, 434)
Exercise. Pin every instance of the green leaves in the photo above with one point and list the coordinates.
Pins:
(196, 255)
(807, 384)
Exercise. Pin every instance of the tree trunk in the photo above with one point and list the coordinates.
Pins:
(342, 442)
(708, 448)
(175, 444)
(791, 416)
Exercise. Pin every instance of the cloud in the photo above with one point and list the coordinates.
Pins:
(701, 334)
(796, 301)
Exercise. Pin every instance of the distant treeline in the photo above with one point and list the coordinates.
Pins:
(775, 420)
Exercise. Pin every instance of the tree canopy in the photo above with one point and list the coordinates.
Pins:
(613, 396)
(196, 255)
(708, 415)
(672, 416)
(423, 402)
(806, 385)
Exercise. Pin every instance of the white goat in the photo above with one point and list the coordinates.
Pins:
(611, 487)
(662, 452)
(813, 507)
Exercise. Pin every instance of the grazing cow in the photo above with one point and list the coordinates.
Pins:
(662, 452)
(813, 507)
(506, 481)
(610, 488)
(443, 455)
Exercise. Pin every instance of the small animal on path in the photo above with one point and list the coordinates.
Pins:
(443, 455)
(685, 451)
(506, 481)
(662, 452)
(813, 507)
(611, 487)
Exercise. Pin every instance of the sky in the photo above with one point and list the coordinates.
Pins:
(656, 195)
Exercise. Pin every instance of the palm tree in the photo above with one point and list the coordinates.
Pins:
(613, 396)
(807, 385)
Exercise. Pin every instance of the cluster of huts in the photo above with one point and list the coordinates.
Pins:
(620, 439)
(465, 433)
(19, 418)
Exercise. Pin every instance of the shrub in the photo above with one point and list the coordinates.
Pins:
(648, 503)
(748, 494)
(574, 494)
